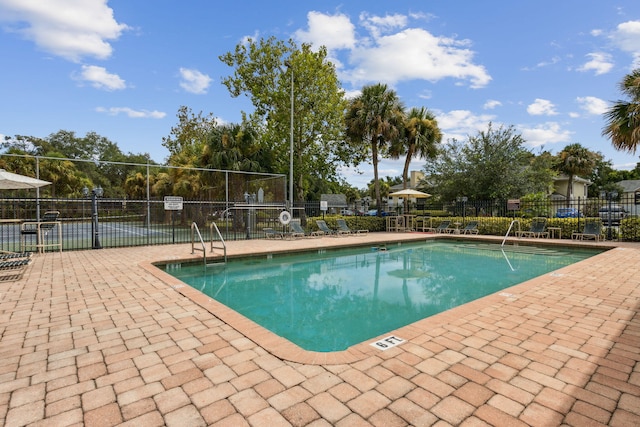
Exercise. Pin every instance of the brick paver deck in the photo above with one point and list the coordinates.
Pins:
(99, 338)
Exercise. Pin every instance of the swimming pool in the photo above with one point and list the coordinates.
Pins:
(329, 300)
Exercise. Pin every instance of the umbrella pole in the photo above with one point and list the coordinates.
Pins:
(38, 190)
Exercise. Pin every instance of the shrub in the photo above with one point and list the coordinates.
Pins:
(630, 229)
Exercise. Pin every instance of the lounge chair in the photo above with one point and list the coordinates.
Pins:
(40, 229)
(342, 226)
(13, 265)
(537, 229)
(470, 228)
(6, 256)
(298, 231)
(270, 233)
(324, 228)
(443, 227)
(592, 230)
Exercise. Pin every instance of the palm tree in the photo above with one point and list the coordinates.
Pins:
(623, 118)
(421, 138)
(374, 119)
(575, 160)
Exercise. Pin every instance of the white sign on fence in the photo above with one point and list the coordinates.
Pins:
(173, 203)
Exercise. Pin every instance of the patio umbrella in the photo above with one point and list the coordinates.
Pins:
(14, 181)
(409, 193)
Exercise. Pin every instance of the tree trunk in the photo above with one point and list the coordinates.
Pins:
(569, 191)
(405, 177)
(376, 183)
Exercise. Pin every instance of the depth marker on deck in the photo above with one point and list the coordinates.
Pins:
(387, 343)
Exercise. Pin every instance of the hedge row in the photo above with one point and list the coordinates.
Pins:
(496, 226)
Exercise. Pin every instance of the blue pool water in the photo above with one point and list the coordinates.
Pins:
(331, 300)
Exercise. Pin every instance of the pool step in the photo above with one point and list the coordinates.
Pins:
(524, 249)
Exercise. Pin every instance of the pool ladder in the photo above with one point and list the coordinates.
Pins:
(509, 230)
(195, 232)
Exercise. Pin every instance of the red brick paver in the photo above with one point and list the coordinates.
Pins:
(101, 338)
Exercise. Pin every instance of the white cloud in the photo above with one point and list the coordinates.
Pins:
(544, 133)
(491, 104)
(541, 107)
(626, 37)
(378, 25)
(409, 54)
(600, 63)
(351, 94)
(130, 112)
(625, 166)
(592, 105)
(100, 78)
(425, 94)
(70, 29)
(459, 124)
(416, 54)
(332, 31)
(194, 81)
(554, 60)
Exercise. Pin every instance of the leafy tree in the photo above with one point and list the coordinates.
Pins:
(92, 151)
(188, 137)
(264, 71)
(374, 121)
(235, 147)
(634, 173)
(187, 146)
(238, 148)
(542, 172)
(575, 160)
(605, 178)
(493, 165)
(135, 185)
(623, 118)
(384, 185)
(317, 186)
(22, 163)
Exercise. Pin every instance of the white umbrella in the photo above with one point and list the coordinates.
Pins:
(14, 181)
(409, 193)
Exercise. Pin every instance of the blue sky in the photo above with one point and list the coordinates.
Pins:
(123, 68)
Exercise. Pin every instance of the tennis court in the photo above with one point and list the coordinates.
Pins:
(130, 230)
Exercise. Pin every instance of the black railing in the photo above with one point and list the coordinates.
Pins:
(121, 223)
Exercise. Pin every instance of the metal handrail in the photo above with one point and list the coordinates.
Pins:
(194, 226)
(509, 230)
(224, 245)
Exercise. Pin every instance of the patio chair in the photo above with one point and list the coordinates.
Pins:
(298, 231)
(40, 229)
(470, 228)
(592, 230)
(324, 228)
(443, 227)
(537, 229)
(270, 233)
(342, 226)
